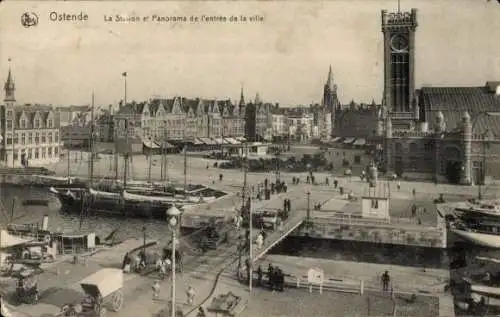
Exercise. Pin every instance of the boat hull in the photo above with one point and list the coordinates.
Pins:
(481, 239)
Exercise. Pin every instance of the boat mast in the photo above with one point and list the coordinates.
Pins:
(70, 130)
(150, 156)
(87, 197)
(125, 156)
(91, 161)
(185, 160)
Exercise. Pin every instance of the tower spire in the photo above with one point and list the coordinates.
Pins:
(242, 97)
(329, 81)
(9, 87)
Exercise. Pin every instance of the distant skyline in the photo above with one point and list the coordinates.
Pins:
(285, 59)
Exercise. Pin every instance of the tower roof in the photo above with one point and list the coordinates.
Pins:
(242, 97)
(9, 88)
(329, 81)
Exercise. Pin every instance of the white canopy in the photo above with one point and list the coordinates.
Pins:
(7, 240)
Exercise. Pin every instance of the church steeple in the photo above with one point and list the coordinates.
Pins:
(329, 82)
(242, 98)
(9, 88)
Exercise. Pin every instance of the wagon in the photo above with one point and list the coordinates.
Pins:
(100, 287)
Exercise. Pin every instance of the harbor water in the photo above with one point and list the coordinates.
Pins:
(13, 197)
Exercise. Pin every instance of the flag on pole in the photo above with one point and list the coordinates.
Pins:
(124, 74)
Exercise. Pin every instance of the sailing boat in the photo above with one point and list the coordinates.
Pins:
(134, 199)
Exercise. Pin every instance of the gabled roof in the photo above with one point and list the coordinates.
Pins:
(453, 102)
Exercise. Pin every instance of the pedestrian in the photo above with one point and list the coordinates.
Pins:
(259, 276)
(156, 290)
(385, 281)
(399, 185)
(190, 293)
(270, 271)
(335, 183)
(414, 192)
(221, 177)
(413, 210)
(201, 312)
(259, 241)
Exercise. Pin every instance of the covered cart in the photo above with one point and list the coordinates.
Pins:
(102, 287)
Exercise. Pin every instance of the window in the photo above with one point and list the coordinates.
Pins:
(413, 163)
(49, 123)
(49, 151)
(16, 138)
(429, 146)
(43, 152)
(56, 137)
(398, 148)
(23, 123)
(16, 156)
(374, 203)
(56, 151)
(30, 154)
(43, 137)
(37, 123)
(37, 153)
(9, 124)
(23, 138)
(50, 137)
(413, 147)
(9, 113)
(30, 138)
(9, 138)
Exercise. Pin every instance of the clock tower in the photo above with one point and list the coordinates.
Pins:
(399, 61)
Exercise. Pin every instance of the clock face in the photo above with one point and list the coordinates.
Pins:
(399, 43)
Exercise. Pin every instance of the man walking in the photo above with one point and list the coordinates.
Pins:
(156, 290)
(190, 293)
(385, 281)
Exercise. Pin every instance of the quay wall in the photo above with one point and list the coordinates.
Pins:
(385, 233)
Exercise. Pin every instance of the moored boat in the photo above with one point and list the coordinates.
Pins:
(478, 223)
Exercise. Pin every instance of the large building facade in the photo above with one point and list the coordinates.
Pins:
(449, 134)
(30, 133)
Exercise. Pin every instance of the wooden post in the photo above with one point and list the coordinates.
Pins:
(361, 287)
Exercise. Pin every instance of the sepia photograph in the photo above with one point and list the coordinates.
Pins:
(250, 158)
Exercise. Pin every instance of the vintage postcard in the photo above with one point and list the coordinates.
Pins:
(250, 158)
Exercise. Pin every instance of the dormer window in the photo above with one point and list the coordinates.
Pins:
(37, 123)
(23, 123)
(49, 123)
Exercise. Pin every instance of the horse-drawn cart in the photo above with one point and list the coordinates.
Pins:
(102, 287)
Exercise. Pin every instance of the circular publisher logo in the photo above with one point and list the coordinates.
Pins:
(29, 19)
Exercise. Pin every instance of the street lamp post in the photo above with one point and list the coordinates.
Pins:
(483, 167)
(173, 214)
(308, 206)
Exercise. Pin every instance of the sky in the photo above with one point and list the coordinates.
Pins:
(285, 58)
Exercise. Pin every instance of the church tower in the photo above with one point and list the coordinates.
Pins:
(9, 89)
(399, 59)
(330, 99)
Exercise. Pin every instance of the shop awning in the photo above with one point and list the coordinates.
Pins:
(150, 144)
(197, 141)
(217, 140)
(7, 240)
(167, 145)
(359, 142)
(232, 141)
(206, 141)
(241, 139)
(336, 139)
(348, 140)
